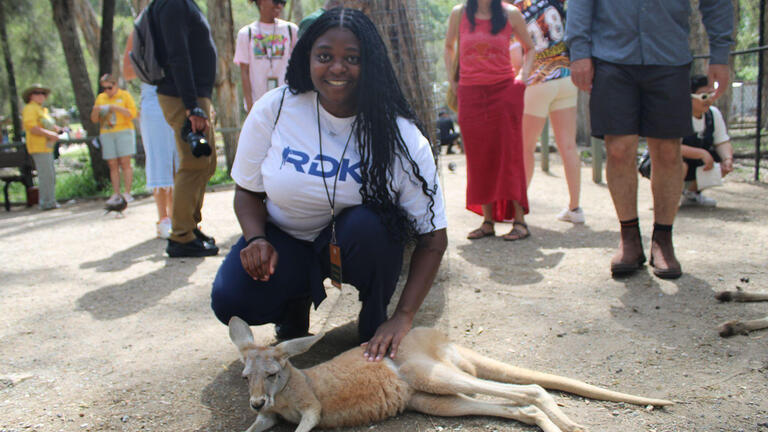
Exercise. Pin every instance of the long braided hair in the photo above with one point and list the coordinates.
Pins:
(380, 101)
(498, 16)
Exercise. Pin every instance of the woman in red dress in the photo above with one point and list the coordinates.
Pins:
(490, 110)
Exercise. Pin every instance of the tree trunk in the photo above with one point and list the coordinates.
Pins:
(226, 102)
(764, 98)
(396, 21)
(12, 90)
(88, 22)
(295, 12)
(63, 11)
(106, 42)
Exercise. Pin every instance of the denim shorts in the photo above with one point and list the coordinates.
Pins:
(118, 144)
(650, 101)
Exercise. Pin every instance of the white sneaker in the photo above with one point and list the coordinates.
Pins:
(696, 199)
(572, 216)
(113, 200)
(128, 197)
(164, 228)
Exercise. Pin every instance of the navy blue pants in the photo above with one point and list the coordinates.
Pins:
(371, 261)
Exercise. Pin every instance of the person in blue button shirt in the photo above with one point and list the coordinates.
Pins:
(633, 56)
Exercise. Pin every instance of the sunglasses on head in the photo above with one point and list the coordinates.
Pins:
(703, 96)
(279, 2)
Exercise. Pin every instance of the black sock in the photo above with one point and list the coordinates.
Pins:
(660, 227)
(630, 223)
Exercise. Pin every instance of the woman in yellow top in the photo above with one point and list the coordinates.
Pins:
(114, 110)
(41, 137)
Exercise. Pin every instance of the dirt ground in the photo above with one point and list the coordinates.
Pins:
(100, 331)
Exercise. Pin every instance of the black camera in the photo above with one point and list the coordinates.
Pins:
(197, 140)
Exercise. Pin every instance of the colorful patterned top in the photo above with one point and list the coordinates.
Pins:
(546, 25)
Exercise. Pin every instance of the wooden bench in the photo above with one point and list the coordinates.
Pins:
(16, 165)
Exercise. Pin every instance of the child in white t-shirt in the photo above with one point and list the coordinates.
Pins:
(263, 49)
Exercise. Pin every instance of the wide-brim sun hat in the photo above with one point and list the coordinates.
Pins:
(33, 88)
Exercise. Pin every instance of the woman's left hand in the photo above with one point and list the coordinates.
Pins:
(388, 337)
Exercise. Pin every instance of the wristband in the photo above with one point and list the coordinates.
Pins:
(254, 238)
(197, 111)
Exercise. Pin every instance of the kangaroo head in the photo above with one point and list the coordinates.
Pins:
(267, 369)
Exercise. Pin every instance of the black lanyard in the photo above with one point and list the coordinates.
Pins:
(331, 200)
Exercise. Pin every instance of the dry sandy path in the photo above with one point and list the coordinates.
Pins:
(99, 331)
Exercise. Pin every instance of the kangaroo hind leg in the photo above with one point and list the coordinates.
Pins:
(461, 405)
(444, 379)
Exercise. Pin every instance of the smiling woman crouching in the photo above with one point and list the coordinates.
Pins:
(334, 177)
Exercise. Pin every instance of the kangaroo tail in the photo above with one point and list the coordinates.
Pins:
(495, 370)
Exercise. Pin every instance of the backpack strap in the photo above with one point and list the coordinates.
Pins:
(709, 129)
(280, 108)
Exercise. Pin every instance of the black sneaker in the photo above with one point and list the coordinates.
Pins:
(202, 237)
(195, 248)
(295, 323)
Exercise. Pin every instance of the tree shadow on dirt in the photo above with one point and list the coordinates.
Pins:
(134, 295)
(226, 397)
(40, 220)
(153, 249)
(528, 256)
(725, 214)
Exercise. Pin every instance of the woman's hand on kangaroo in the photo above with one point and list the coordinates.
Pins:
(388, 337)
(259, 259)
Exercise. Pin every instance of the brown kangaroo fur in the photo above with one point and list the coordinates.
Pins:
(429, 374)
(735, 327)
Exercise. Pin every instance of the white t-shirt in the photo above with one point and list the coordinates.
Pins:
(285, 163)
(720, 135)
(266, 53)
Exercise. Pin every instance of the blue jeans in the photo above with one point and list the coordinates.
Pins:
(371, 262)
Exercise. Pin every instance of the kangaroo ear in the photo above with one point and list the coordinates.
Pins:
(240, 333)
(298, 346)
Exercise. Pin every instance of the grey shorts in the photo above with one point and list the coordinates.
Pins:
(650, 101)
(118, 144)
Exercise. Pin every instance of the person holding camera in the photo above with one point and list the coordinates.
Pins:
(187, 53)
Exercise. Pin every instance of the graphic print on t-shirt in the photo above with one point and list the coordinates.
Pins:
(546, 25)
(272, 46)
(302, 163)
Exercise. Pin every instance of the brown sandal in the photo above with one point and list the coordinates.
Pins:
(516, 233)
(481, 233)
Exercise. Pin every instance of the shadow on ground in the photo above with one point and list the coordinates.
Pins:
(529, 256)
(134, 295)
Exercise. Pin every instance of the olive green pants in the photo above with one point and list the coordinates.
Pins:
(193, 173)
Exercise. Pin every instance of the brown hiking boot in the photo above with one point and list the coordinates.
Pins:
(630, 256)
(663, 260)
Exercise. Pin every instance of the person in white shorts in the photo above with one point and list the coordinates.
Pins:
(550, 92)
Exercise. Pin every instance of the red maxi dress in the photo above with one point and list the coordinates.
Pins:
(491, 117)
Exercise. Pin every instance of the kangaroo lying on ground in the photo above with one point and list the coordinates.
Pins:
(735, 327)
(429, 375)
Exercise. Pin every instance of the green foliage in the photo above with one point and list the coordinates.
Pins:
(221, 176)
